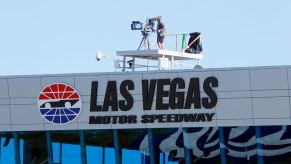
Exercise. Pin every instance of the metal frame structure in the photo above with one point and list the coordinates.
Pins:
(152, 158)
(156, 55)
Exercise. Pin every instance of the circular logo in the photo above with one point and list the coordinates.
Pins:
(59, 103)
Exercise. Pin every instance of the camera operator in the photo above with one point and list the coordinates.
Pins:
(160, 33)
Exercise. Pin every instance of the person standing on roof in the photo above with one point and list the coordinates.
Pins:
(160, 33)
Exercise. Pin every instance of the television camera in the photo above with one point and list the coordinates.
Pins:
(146, 29)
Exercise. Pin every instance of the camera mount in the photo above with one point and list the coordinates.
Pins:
(146, 30)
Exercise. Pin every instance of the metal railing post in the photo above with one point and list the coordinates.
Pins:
(116, 147)
(259, 145)
(83, 148)
(0, 148)
(49, 147)
(61, 153)
(103, 155)
(16, 148)
(142, 158)
(186, 147)
(222, 145)
(151, 146)
(124, 63)
(176, 42)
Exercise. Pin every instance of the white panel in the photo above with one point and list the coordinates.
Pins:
(83, 84)
(3, 88)
(32, 127)
(233, 80)
(45, 81)
(138, 125)
(25, 114)
(167, 111)
(93, 126)
(187, 111)
(238, 122)
(233, 94)
(83, 117)
(86, 99)
(164, 125)
(5, 114)
(24, 87)
(136, 78)
(4, 101)
(201, 75)
(4, 128)
(199, 124)
(24, 101)
(276, 107)
(137, 109)
(289, 77)
(262, 79)
(159, 75)
(273, 122)
(234, 108)
(51, 126)
(270, 93)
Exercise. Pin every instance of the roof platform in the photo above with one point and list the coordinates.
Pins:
(156, 54)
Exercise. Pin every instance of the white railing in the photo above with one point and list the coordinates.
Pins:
(179, 40)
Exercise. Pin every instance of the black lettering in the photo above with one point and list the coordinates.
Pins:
(126, 104)
(177, 83)
(209, 116)
(170, 118)
(193, 95)
(132, 119)
(145, 119)
(200, 117)
(152, 118)
(161, 118)
(179, 117)
(208, 84)
(161, 93)
(122, 119)
(94, 120)
(148, 93)
(176, 118)
(189, 117)
(114, 119)
(106, 119)
(110, 98)
(93, 102)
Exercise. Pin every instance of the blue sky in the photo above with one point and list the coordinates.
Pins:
(48, 37)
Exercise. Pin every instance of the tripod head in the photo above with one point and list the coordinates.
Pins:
(146, 29)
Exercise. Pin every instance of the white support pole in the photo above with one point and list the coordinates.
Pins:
(124, 62)
(133, 64)
(176, 42)
(172, 62)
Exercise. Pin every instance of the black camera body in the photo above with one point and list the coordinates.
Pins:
(136, 25)
(145, 28)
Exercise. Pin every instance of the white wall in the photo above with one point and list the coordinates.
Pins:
(246, 97)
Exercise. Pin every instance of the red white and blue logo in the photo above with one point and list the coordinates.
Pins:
(59, 103)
